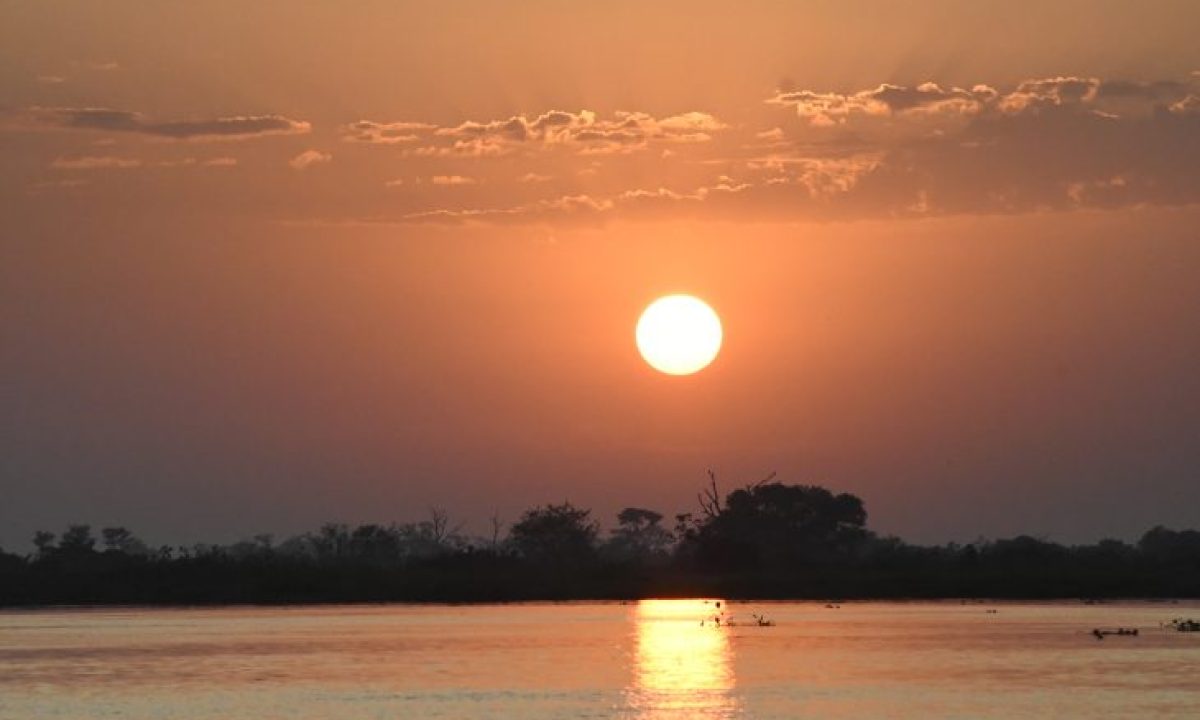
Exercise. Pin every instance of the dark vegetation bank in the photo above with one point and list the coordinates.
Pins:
(767, 540)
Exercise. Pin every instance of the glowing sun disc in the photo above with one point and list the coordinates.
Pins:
(679, 334)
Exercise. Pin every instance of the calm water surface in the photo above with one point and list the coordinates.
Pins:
(650, 660)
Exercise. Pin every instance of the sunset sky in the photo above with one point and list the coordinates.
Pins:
(266, 265)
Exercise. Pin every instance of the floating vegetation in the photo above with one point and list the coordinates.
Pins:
(723, 619)
(1183, 625)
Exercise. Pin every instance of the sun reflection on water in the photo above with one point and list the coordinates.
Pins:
(682, 668)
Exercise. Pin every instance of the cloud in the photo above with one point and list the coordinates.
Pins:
(367, 131)
(591, 209)
(690, 122)
(1050, 92)
(1160, 90)
(65, 183)
(194, 162)
(559, 208)
(818, 178)
(581, 207)
(1033, 95)
(308, 158)
(1056, 143)
(452, 180)
(1052, 144)
(829, 109)
(93, 162)
(1189, 105)
(584, 132)
(102, 162)
(123, 121)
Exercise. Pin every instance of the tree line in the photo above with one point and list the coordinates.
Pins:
(763, 540)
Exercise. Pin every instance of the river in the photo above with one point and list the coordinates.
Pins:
(649, 660)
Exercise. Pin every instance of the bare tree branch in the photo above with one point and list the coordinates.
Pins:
(497, 527)
(770, 476)
(710, 498)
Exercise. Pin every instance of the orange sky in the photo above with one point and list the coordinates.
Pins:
(265, 266)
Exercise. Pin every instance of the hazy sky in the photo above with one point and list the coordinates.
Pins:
(264, 265)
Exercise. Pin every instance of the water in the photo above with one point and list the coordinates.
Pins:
(651, 660)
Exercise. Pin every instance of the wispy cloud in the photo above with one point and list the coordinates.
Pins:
(1043, 144)
(63, 183)
(103, 162)
(453, 180)
(124, 121)
(580, 208)
(367, 131)
(1053, 143)
(583, 131)
(824, 109)
(1028, 96)
(308, 158)
(95, 162)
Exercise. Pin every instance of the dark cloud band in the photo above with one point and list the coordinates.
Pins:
(123, 121)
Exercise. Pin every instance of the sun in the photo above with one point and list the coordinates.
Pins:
(679, 334)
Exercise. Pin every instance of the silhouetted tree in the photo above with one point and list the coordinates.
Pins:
(555, 534)
(44, 542)
(115, 538)
(640, 536)
(121, 540)
(772, 524)
(497, 526)
(1171, 547)
(10, 563)
(77, 539)
(763, 540)
(439, 525)
(331, 541)
(374, 543)
(1024, 551)
(429, 538)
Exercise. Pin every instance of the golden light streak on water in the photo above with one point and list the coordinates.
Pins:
(683, 661)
